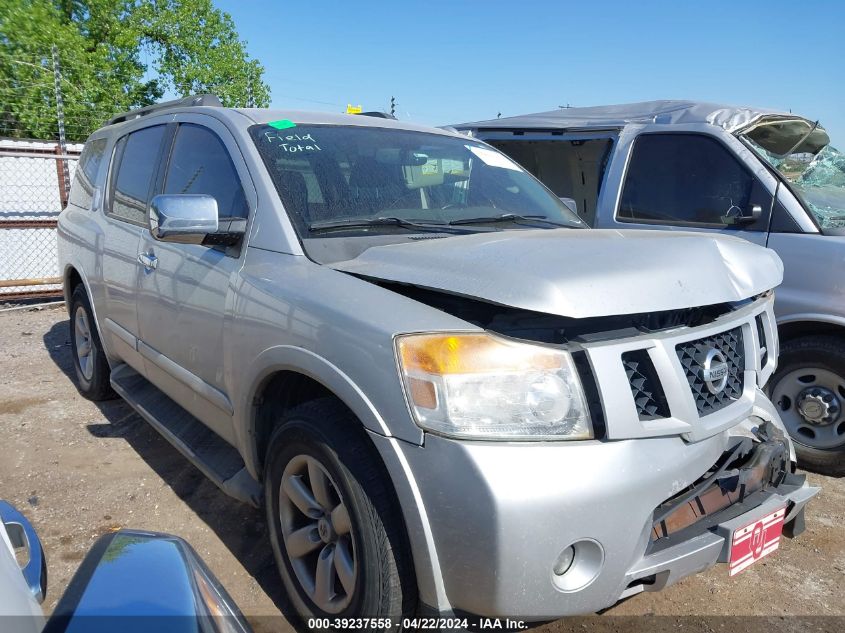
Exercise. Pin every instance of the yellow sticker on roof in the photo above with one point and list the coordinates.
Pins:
(282, 124)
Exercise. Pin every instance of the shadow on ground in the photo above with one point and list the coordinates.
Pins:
(240, 527)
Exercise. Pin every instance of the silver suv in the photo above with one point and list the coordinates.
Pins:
(450, 395)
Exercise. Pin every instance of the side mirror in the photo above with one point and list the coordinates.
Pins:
(184, 218)
(134, 580)
(23, 536)
(736, 217)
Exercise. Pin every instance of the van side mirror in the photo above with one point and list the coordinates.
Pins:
(184, 218)
(749, 217)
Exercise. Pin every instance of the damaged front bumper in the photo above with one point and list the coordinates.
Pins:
(753, 479)
(500, 516)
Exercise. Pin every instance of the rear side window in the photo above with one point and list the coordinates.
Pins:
(685, 179)
(85, 179)
(200, 164)
(136, 156)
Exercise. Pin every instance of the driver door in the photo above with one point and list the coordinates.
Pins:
(183, 291)
(690, 181)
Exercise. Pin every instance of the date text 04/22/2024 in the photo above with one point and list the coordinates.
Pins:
(418, 623)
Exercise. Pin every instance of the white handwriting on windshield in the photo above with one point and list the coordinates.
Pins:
(293, 142)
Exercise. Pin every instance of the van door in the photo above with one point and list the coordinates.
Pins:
(691, 181)
(183, 290)
(131, 179)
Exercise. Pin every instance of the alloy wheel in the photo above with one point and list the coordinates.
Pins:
(84, 350)
(317, 534)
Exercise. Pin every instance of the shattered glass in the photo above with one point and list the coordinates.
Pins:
(819, 179)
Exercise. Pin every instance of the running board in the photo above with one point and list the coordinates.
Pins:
(217, 459)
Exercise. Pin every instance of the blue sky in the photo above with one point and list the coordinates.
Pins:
(448, 62)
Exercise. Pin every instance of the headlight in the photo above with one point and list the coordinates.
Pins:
(487, 387)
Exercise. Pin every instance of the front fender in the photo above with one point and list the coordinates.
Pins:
(314, 366)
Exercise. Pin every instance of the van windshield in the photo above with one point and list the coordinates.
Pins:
(814, 168)
(334, 180)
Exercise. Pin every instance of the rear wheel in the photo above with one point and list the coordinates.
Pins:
(89, 361)
(336, 531)
(809, 391)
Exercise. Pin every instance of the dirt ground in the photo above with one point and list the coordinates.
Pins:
(79, 469)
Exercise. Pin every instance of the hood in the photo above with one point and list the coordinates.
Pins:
(580, 273)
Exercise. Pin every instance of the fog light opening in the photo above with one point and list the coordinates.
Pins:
(577, 566)
(564, 561)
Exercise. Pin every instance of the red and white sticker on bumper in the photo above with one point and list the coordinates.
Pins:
(756, 540)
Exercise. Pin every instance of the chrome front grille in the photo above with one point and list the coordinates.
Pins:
(693, 355)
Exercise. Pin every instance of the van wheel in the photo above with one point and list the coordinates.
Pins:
(92, 368)
(335, 527)
(809, 392)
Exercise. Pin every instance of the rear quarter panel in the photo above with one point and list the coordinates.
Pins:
(80, 241)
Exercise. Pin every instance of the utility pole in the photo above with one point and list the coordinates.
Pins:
(393, 106)
(249, 101)
(60, 117)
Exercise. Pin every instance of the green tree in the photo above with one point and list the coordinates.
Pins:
(115, 55)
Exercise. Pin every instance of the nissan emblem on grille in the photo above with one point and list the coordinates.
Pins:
(714, 371)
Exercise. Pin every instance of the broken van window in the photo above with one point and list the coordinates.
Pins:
(819, 179)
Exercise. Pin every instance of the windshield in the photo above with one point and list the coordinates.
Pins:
(334, 180)
(817, 175)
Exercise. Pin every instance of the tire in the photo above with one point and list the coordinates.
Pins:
(92, 368)
(813, 367)
(322, 441)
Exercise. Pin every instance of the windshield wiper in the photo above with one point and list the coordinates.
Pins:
(511, 217)
(355, 223)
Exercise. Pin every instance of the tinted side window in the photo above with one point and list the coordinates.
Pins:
(684, 179)
(200, 163)
(136, 156)
(84, 181)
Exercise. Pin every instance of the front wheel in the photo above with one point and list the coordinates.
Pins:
(809, 391)
(335, 528)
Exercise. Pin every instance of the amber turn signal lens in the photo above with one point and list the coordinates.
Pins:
(440, 354)
(422, 393)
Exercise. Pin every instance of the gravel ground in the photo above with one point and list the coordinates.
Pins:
(79, 469)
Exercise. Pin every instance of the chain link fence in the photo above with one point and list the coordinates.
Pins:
(35, 177)
(44, 116)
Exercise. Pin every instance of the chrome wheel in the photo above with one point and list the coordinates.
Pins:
(810, 401)
(317, 534)
(82, 336)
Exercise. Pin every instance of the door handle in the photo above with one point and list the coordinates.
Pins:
(148, 260)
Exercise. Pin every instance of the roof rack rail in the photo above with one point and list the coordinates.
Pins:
(193, 100)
